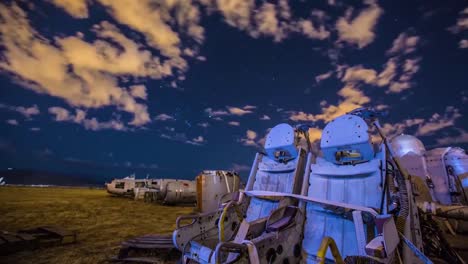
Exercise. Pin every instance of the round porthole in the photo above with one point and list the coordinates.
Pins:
(279, 249)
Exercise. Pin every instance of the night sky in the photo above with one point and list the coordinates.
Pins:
(171, 87)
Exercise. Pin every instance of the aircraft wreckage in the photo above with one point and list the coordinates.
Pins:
(207, 191)
(391, 201)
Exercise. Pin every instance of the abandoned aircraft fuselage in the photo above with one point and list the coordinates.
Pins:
(125, 186)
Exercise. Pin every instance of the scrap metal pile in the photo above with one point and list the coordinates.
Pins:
(360, 201)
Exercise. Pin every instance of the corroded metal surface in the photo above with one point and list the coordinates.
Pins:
(154, 248)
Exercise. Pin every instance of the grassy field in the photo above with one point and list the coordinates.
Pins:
(102, 221)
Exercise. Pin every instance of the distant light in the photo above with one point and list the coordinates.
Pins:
(10, 168)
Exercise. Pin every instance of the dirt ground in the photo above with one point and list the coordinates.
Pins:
(102, 221)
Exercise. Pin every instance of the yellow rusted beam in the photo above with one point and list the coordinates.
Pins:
(328, 242)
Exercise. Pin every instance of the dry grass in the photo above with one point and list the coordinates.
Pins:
(102, 221)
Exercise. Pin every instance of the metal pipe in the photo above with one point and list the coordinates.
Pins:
(401, 180)
(458, 212)
(305, 180)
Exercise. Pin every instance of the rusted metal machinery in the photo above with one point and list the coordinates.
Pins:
(343, 204)
(438, 178)
(212, 188)
(217, 236)
(359, 202)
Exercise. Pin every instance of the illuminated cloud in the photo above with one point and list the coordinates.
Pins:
(267, 19)
(250, 137)
(230, 111)
(236, 13)
(321, 77)
(240, 111)
(310, 30)
(301, 116)
(249, 107)
(98, 66)
(397, 74)
(198, 141)
(410, 67)
(427, 127)
(398, 71)
(404, 44)
(359, 30)
(267, 22)
(352, 98)
(76, 8)
(154, 21)
(359, 73)
(460, 26)
(12, 122)
(394, 129)
(163, 117)
(89, 74)
(463, 44)
(215, 113)
(460, 138)
(106, 66)
(63, 115)
(28, 112)
(438, 122)
(251, 134)
(183, 138)
(138, 91)
(239, 168)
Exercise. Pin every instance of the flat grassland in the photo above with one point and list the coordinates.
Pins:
(102, 221)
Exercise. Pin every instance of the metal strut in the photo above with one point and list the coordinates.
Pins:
(328, 242)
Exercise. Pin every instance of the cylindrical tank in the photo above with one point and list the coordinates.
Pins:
(212, 185)
(448, 167)
(160, 186)
(410, 152)
(180, 192)
(456, 161)
(404, 144)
